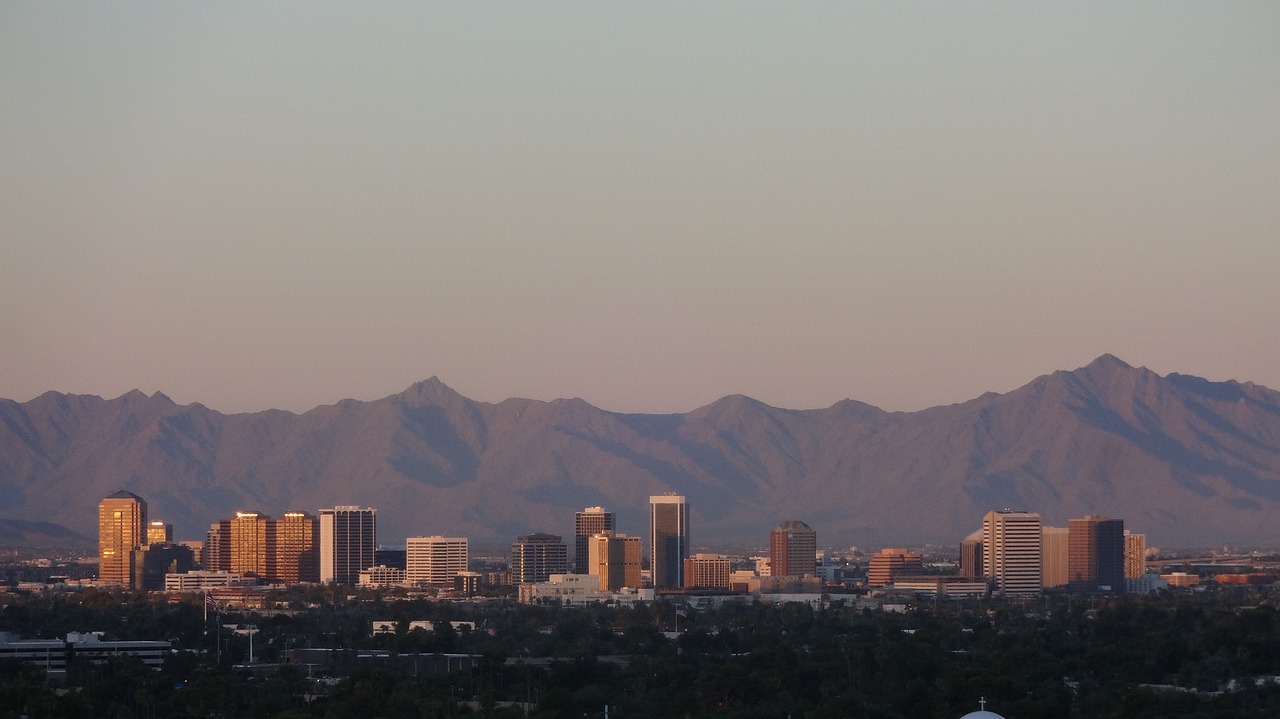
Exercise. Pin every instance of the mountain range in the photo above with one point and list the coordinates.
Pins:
(1186, 461)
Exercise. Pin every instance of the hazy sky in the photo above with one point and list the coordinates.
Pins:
(645, 205)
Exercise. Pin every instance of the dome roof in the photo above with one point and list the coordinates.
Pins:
(982, 715)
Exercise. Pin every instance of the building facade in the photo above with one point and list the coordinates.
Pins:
(793, 549)
(615, 559)
(435, 560)
(535, 557)
(971, 557)
(1012, 543)
(891, 563)
(159, 532)
(122, 518)
(707, 571)
(1053, 569)
(1095, 554)
(348, 539)
(297, 548)
(586, 524)
(1135, 555)
(668, 540)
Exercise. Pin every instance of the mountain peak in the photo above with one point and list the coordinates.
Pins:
(429, 391)
(1109, 363)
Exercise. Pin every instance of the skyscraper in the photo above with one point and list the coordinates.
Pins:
(793, 549)
(668, 539)
(707, 571)
(121, 521)
(1011, 547)
(159, 532)
(1135, 555)
(615, 558)
(434, 560)
(971, 556)
(348, 538)
(587, 523)
(1095, 554)
(252, 545)
(535, 557)
(297, 548)
(1053, 564)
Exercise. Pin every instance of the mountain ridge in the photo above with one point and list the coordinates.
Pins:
(1186, 460)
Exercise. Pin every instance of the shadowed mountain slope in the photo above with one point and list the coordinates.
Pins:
(1183, 459)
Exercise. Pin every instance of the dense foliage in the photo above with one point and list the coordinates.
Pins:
(1172, 656)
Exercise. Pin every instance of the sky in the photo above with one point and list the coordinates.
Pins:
(645, 205)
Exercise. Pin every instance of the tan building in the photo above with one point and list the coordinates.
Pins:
(586, 524)
(159, 532)
(1095, 554)
(252, 545)
(434, 560)
(1012, 544)
(793, 549)
(121, 519)
(1053, 571)
(893, 562)
(707, 571)
(615, 559)
(297, 548)
(1135, 555)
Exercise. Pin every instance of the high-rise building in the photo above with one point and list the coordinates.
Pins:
(793, 549)
(971, 556)
(159, 532)
(252, 545)
(434, 560)
(1095, 554)
(297, 548)
(1011, 550)
(1135, 555)
(217, 547)
(1053, 569)
(615, 558)
(707, 571)
(348, 539)
(535, 557)
(151, 562)
(586, 524)
(668, 539)
(121, 519)
(892, 563)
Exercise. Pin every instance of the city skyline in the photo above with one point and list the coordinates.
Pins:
(649, 207)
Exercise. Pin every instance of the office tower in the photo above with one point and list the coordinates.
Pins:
(615, 558)
(1095, 554)
(393, 557)
(297, 548)
(707, 571)
(1135, 555)
(535, 557)
(348, 539)
(587, 523)
(159, 532)
(151, 562)
(892, 563)
(971, 556)
(434, 560)
(1011, 550)
(668, 540)
(793, 549)
(252, 545)
(1053, 571)
(217, 547)
(121, 519)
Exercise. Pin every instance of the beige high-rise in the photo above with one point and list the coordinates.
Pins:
(122, 519)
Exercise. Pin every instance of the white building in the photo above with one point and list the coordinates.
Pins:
(435, 560)
(348, 538)
(1012, 544)
(199, 580)
(580, 589)
(382, 576)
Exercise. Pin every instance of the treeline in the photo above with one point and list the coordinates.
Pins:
(1170, 656)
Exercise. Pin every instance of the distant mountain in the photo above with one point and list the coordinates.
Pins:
(1185, 460)
(15, 533)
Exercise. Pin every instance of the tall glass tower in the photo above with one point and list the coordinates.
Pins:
(668, 540)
